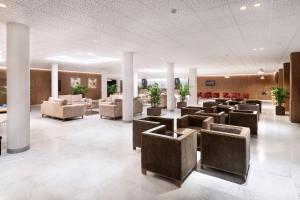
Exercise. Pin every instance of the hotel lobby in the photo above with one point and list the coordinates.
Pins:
(140, 99)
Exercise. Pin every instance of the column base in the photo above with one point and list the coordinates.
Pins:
(20, 150)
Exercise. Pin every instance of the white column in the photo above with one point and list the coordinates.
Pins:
(104, 85)
(54, 80)
(193, 86)
(119, 85)
(135, 84)
(170, 86)
(127, 73)
(18, 88)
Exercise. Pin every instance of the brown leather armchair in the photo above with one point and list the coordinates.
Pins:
(209, 104)
(244, 118)
(195, 122)
(191, 110)
(219, 118)
(171, 156)
(255, 101)
(143, 124)
(226, 148)
(250, 107)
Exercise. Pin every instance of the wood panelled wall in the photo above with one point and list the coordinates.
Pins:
(40, 85)
(65, 81)
(251, 84)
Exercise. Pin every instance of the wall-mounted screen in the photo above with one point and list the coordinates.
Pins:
(210, 82)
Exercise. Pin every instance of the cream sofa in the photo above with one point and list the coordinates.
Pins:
(74, 99)
(58, 108)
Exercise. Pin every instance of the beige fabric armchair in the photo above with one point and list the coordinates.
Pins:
(111, 109)
(58, 109)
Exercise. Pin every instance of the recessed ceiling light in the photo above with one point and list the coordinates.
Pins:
(243, 8)
(2, 5)
(82, 60)
(257, 5)
(254, 49)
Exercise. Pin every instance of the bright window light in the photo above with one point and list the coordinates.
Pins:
(82, 60)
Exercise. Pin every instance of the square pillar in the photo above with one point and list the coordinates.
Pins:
(295, 87)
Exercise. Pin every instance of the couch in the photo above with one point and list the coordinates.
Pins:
(194, 122)
(172, 156)
(191, 110)
(146, 123)
(226, 148)
(74, 99)
(58, 108)
(219, 118)
(245, 118)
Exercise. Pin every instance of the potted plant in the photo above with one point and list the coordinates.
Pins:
(279, 94)
(79, 89)
(154, 92)
(183, 92)
(111, 89)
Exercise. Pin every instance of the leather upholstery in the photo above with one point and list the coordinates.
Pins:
(191, 110)
(226, 148)
(169, 156)
(246, 119)
(195, 122)
(219, 118)
(143, 124)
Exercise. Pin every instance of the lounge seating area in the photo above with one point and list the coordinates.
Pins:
(149, 100)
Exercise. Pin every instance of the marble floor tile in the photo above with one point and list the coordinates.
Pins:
(92, 158)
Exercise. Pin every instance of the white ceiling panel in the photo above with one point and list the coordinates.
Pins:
(214, 35)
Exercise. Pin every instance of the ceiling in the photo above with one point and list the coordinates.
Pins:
(215, 36)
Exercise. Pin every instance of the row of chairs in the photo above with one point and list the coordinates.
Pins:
(226, 95)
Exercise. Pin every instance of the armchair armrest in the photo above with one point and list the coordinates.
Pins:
(183, 122)
(206, 123)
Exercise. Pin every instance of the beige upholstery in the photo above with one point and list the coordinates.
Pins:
(75, 99)
(57, 108)
(111, 109)
(163, 101)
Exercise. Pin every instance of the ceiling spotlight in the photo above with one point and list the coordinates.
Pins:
(262, 77)
(257, 5)
(243, 8)
(2, 5)
(227, 76)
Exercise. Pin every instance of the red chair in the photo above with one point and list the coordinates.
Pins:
(226, 95)
(245, 96)
(199, 94)
(216, 95)
(235, 95)
(207, 95)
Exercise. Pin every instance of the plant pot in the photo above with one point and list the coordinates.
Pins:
(181, 104)
(280, 110)
(153, 111)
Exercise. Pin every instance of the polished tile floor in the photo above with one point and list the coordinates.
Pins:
(93, 159)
